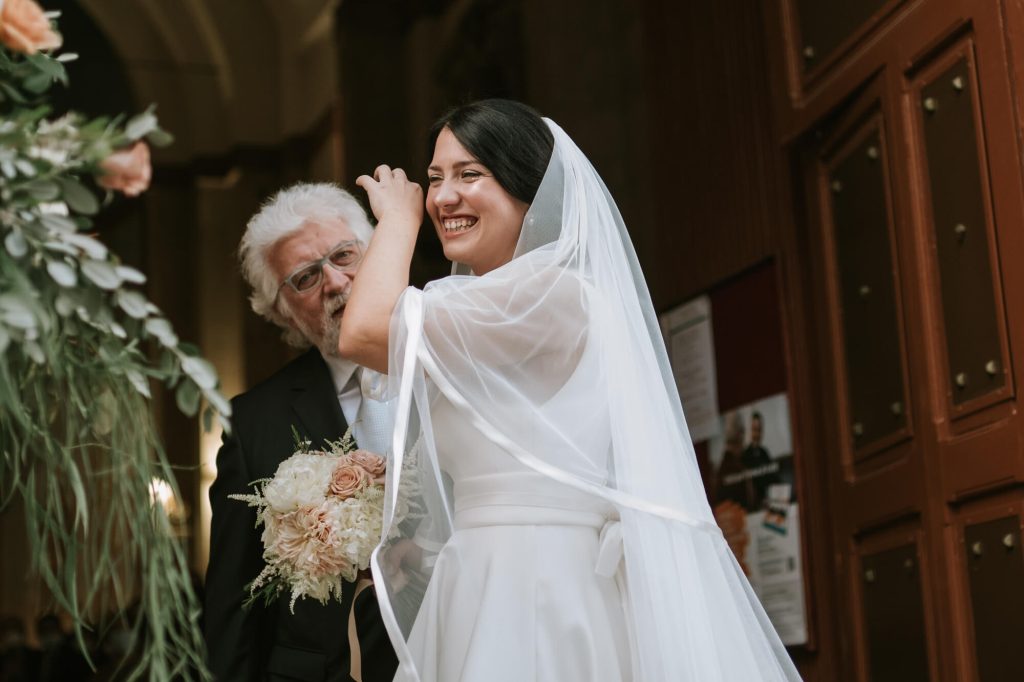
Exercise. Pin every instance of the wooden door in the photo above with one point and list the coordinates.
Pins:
(905, 241)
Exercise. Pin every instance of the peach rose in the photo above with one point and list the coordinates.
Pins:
(348, 479)
(24, 27)
(127, 170)
(374, 464)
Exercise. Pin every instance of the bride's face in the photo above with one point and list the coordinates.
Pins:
(477, 221)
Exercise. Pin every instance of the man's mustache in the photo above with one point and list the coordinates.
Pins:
(335, 303)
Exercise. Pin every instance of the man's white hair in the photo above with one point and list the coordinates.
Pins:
(283, 214)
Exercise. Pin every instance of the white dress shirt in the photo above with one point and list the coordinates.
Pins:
(361, 393)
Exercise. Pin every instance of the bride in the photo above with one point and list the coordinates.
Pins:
(566, 535)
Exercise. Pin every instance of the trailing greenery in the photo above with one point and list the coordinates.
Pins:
(80, 346)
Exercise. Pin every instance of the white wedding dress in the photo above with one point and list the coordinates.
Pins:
(566, 535)
(514, 595)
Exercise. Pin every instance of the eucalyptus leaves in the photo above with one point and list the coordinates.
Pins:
(44, 209)
(79, 346)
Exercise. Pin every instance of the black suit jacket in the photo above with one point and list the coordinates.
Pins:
(270, 643)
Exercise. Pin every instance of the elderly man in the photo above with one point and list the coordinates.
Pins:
(299, 254)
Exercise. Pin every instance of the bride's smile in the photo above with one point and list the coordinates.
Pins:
(476, 219)
(457, 225)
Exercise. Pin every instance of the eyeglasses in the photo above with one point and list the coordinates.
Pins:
(345, 258)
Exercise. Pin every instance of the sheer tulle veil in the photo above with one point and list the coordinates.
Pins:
(558, 358)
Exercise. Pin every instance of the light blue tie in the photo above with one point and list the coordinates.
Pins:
(373, 419)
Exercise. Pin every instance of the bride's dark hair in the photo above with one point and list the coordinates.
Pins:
(508, 137)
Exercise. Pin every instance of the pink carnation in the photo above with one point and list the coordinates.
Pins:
(322, 557)
(285, 536)
(304, 539)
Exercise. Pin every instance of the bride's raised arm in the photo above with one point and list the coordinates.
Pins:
(511, 317)
(384, 273)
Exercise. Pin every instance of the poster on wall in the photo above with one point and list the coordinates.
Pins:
(728, 358)
(691, 351)
(753, 494)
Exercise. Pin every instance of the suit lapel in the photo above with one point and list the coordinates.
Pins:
(315, 401)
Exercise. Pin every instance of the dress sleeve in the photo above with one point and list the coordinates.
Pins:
(507, 329)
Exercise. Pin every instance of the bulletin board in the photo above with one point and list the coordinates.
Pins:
(728, 356)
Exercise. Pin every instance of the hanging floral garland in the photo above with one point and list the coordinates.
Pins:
(80, 346)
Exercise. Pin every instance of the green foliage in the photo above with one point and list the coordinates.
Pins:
(80, 346)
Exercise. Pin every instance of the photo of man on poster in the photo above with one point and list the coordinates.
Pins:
(752, 493)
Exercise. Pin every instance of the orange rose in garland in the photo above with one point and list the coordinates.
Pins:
(25, 28)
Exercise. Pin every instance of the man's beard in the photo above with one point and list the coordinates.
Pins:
(325, 337)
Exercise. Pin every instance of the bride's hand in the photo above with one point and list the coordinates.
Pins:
(403, 554)
(392, 195)
(401, 560)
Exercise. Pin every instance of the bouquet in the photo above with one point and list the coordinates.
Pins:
(322, 516)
